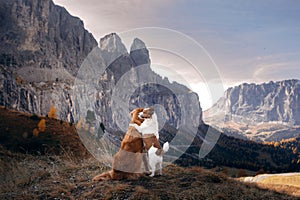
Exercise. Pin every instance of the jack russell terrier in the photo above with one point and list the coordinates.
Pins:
(149, 130)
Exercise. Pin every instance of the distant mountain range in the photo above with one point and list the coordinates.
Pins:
(260, 112)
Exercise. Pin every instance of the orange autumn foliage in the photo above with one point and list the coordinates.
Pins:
(42, 125)
(52, 113)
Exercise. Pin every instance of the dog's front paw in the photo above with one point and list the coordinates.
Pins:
(147, 173)
(151, 175)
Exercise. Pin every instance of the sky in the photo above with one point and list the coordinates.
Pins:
(246, 41)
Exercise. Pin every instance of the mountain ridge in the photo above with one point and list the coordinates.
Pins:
(258, 106)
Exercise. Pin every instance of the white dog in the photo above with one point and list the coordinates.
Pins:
(149, 126)
(156, 159)
(149, 130)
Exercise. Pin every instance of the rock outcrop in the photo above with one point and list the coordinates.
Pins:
(42, 48)
(40, 34)
(251, 105)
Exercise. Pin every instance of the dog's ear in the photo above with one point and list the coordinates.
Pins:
(151, 110)
(131, 113)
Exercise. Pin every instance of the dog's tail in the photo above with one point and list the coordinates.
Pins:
(166, 147)
(103, 177)
(161, 151)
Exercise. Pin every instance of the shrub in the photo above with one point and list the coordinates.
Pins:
(90, 117)
(25, 135)
(52, 113)
(79, 124)
(35, 132)
(261, 171)
(225, 171)
(242, 173)
(42, 125)
(34, 117)
(19, 80)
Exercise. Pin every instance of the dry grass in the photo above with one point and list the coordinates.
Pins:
(284, 184)
(32, 177)
(286, 189)
(25, 176)
(64, 171)
(283, 180)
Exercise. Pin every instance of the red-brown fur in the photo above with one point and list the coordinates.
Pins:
(135, 116)
(149, 140)
(129, 158)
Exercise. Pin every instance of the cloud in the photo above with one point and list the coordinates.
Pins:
(249, 42)
(276, 71)
(106, 16)
(277, 67)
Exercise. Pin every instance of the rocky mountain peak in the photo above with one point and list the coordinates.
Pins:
(112, 48)
(137, 44)
(112, 43)
(139, 53)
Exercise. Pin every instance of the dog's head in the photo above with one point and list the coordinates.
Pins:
(135, 118)
(150, 124)
(146, 113)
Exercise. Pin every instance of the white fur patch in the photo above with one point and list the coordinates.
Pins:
(155, 160)
(150, 126)
(137, 127)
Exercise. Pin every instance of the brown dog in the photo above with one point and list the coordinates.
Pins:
(149, 130)
(127, 161)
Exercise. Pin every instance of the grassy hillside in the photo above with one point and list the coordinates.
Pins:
(54, 164)
(17, 134)
(25, 176)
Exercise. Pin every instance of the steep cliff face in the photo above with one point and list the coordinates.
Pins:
(35, 97)
(42, 48)
(39, 34)
(275, 103)
(49, 59)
